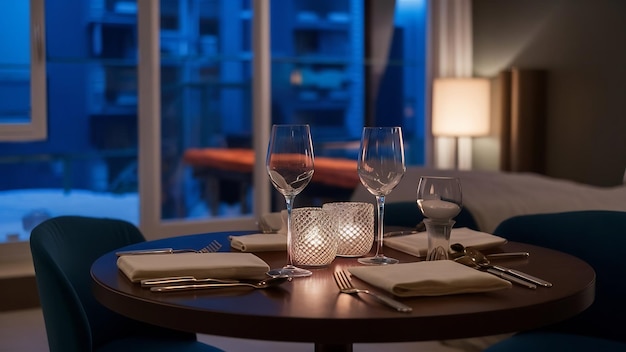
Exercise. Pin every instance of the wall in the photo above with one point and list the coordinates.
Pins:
(581, 45)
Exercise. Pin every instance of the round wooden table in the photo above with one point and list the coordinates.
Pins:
(312, 309)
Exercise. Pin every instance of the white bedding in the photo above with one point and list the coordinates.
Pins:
(492, 197)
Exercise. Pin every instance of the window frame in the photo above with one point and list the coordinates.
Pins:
(37, 128)
(150, 218)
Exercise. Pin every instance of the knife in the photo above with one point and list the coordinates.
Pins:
(265, 283)
(153, 251)
(511, 278)
(508, 255)
(183, 280)
(465, 260)
(496, 256)
(523, 275)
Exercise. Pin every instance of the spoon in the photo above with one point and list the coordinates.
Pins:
(265, 283)
(480, 259)
(465, 260)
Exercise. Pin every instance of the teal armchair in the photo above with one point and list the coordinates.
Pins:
(63, 249)
(597, 237)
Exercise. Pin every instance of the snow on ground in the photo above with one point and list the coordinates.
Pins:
(23, 208)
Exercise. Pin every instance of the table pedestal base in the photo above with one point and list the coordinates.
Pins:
(323, 347)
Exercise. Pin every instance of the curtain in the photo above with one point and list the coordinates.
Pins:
(379, 25)
(451, 56)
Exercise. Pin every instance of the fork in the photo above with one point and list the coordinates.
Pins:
(345, 286)
(212, 247)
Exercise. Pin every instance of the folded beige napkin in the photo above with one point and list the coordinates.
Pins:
(417, 244)
(198, 265)
(429, 278)
(259, 242)
(274, 222)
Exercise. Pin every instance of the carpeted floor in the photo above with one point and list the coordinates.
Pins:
(23, 330)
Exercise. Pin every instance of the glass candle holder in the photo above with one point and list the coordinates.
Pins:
(314, 239)
(354, 223)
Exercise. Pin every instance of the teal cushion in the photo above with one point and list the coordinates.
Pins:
(537, 342)
(597, 237)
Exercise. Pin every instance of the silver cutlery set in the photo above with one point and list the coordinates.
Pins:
(476, 259)
(343, 281)
(195, 284)
(464, 255)
(212, 247)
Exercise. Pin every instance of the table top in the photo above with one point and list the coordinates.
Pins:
(312, 310)
(337, 172)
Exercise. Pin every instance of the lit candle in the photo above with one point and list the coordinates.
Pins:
(355, 225)
(314, 239)
(437, 209)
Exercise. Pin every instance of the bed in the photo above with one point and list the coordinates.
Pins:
(492, 196)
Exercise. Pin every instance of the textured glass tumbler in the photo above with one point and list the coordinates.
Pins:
(314, 238)
(354, 223)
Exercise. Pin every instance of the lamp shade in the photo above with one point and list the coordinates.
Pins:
(460, 107)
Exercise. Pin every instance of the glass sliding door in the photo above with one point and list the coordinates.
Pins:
(210, 151)
(343, 64)
(409, 62)
(319, 68)
(206, 102)
(396, 70)
(204, 65)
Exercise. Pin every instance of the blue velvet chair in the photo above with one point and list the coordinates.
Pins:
(598, 238)
(63, 249)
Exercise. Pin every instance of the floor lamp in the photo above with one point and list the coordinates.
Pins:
(461, 110)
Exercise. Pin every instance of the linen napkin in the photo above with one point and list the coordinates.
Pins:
(274, 222)
(417, 244)
(199, 265)
(429, 278)
(259, 242)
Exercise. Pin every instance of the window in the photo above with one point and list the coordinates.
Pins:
(92, 158)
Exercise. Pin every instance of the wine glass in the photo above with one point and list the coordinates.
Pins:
(381, 167)
(440, 200)
(289, 164)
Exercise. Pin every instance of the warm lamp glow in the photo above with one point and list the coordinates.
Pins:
(460, 107)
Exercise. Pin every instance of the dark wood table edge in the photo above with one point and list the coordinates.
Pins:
(228, 324)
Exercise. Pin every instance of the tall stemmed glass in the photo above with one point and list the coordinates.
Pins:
(440, 200)
(289, 164)
(381, 167)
